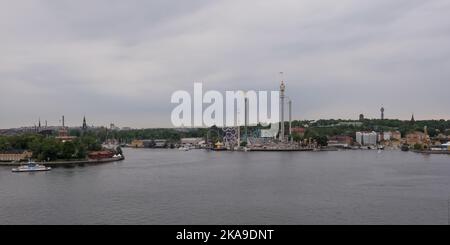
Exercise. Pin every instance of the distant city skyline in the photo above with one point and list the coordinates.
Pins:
(75, 123)
(121, 64)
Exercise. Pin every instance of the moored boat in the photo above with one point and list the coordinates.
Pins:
(31, 167)
(184, 148)
(405, 147)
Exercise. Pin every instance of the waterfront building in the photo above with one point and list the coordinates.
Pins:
(391, 144)
(271, 132)
(137, 144)
(385, 136)
(396, 135)
(10, 156)
(192, 141)
(97, 155)
(340, 141)
(415, 138)
(361, 117)
(366, 138)
(160, 143)
(389, 136)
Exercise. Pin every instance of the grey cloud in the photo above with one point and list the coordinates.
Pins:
(121, 60)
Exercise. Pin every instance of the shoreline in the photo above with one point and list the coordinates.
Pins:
(432, 152)
(67, 163)
(278, 150)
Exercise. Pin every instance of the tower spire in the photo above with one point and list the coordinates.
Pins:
(84, 123)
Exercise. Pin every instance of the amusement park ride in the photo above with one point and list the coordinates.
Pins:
(255, 137)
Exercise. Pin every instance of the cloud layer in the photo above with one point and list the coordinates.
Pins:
(120, 61)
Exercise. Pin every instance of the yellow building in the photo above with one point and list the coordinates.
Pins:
(137, 144)
(15, 156)
(416, 138)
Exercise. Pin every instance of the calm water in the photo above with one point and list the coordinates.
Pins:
(199, 187)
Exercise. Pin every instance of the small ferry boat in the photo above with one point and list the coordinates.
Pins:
(31, 167)
(219, 147)
(184, 148)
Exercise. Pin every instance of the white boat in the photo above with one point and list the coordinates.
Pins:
(31, 167)
(184, 148)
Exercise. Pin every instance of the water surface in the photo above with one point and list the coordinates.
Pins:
(200, 187)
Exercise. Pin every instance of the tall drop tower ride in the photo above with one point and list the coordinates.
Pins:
(282, 96)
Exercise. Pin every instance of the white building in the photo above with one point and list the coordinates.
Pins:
(389, 135)
(192, 141)
(272, 132)
(366, 138)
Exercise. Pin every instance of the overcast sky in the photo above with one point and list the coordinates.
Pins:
(120, 61)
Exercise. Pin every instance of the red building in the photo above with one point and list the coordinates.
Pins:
(97, 155)
(341, 139)
(299, 131)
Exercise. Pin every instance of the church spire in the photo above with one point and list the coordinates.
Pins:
(84, 123)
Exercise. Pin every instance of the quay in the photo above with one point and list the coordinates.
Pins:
(279, 149)
(432, 152)
(70, 163)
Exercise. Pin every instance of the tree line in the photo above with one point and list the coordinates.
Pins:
(49, 148)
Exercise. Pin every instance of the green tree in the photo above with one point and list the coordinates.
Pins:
(81, 152)
(297, 137)
(91, 143)
(68, 150)
(418, 146)
(4, 144)
(321, 140)
(49, 149)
